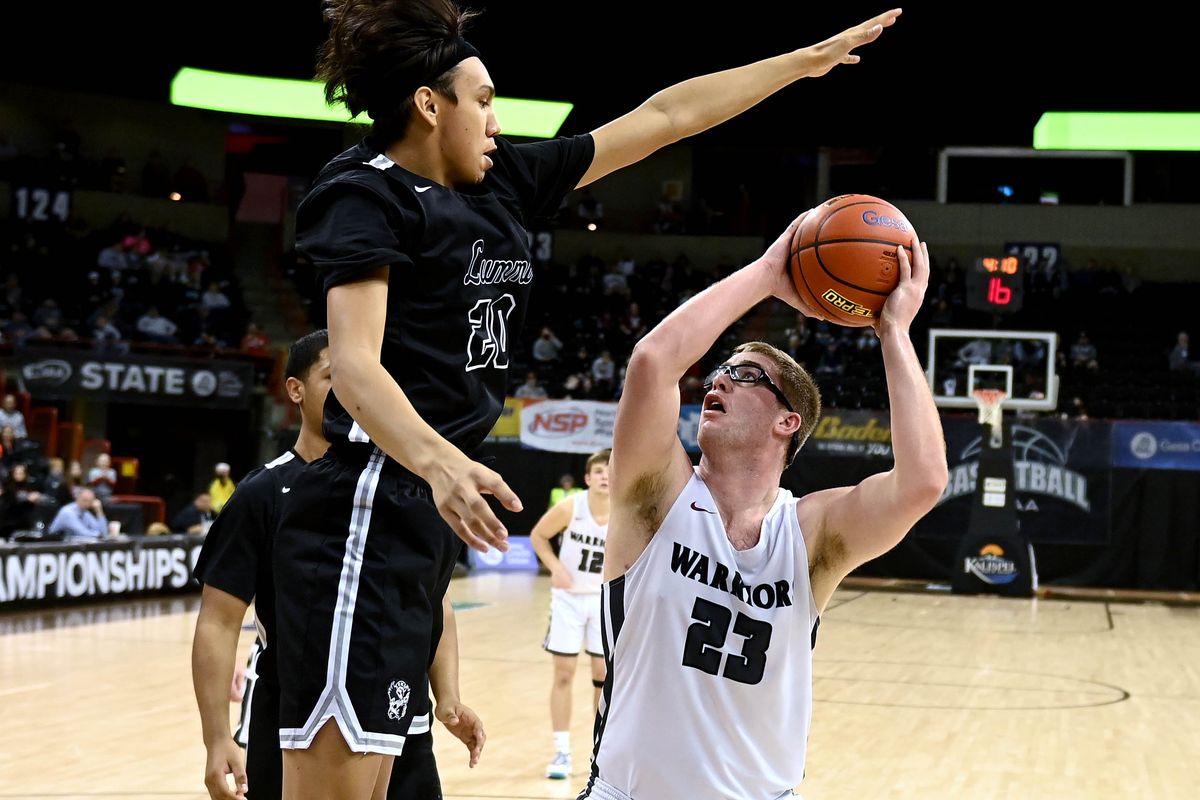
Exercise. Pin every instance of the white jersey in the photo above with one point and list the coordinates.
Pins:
(582, 551)
(709, 651)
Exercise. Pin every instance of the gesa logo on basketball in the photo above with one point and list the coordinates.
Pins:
(562, 423)
(875, 218)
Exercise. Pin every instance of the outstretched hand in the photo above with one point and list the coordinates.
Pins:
(905, 300)
(838, 49)
(777, 261)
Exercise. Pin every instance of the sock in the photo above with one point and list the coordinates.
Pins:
(562, 742)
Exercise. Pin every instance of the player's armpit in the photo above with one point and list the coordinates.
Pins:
(848, 526)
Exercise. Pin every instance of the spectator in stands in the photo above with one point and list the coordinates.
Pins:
(582, 362)
(75, 481)
(221, 488)
(632, 325)
(83, 518)
(867, 341)
(107, 337)
(18, 329)
(196, 517)
(1083, 353)
(626, 265)
(55, 483)
(255, 341)
(566, 487)
(22, 495)
(576, 386)
(8, 447)
(614, 281)
(214, 299)
(11, 417)
(531, 389)
(1178, 360)
(116, 256)
(603, 373)
(942, 316)
(547, 347)
(102, 478)
(48, 315)
(157, 328)
(13, 292)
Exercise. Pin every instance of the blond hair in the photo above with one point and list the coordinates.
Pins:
(598, 457)
(797, 386)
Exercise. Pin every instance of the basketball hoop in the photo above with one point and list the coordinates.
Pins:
(991, 412)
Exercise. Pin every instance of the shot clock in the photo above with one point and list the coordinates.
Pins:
(996, 284)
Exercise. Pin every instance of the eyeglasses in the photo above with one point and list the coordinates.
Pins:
(753, 374)
(749, 374)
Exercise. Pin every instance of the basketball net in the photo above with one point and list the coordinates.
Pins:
(991, 412)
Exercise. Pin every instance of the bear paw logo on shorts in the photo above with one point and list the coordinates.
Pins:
(398, 694)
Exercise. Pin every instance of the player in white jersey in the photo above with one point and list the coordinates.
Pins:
(575, 574)
(715, 576)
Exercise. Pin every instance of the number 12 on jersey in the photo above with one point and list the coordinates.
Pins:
(707, 636)
(591, 561)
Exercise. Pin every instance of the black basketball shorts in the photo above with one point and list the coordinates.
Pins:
(362, 561)
(414, 772)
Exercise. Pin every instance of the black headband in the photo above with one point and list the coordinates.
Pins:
(396, 87)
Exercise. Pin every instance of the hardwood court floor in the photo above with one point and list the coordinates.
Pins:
(917, 696)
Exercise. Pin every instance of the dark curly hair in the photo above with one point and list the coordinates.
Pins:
(378, 50)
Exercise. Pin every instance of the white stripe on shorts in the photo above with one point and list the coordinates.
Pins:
(335, 700)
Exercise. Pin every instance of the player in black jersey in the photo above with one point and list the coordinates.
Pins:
(419, 235)
(235, 568)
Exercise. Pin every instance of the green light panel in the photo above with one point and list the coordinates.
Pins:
(281, 97)
(1064, 130)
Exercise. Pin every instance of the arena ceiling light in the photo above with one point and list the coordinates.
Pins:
(282, 97)
(1068, 130)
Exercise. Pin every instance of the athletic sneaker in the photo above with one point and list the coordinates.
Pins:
(560, 767)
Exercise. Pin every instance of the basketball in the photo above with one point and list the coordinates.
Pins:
(844, 261)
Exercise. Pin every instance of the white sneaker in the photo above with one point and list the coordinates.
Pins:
(560, 767)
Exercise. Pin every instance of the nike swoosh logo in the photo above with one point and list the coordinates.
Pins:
(420, 189)
(287, 489)
(698, 508)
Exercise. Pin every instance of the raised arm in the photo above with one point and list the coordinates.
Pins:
(851, 525)
(696, 105)
(649, 466)
(550, 525)
(356, 313)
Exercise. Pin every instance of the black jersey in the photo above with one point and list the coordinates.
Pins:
(460, 276)
(236, 555)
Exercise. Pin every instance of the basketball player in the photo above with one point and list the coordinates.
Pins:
(235, 568)
(419, 235)
(715, 576)
(575, 577)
